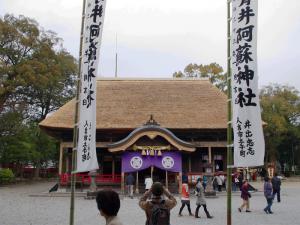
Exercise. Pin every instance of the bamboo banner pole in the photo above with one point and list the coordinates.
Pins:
(75, 130)
(229, 117)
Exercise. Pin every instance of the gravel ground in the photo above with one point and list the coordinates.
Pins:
(18, 208)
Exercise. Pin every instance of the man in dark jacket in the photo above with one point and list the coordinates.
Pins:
(130, 182)
(276, 183)
(162, 201)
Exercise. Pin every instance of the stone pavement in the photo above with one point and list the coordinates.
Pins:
(18, 208)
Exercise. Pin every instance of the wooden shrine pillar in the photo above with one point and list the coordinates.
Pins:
(167, 183)
(123, 183)
(137, 191)
(180, 182)
(113, 166)
(209, 154)
(190, 163)
(61, 151)
(152, 168)
(67, 161)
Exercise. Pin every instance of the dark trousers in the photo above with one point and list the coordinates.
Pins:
(276, 191)
(205, 210)
(183, 204)
(219, 188)
(269, 204)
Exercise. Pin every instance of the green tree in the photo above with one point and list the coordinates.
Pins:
(15, 144)
(37, 76)
(34, 68)
(213, 71)
(281, 112)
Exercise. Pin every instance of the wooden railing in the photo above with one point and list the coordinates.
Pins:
(85, 179)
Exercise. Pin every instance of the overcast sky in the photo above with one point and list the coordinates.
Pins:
(159, 37)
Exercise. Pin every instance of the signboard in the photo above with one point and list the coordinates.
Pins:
(93, 26)
(249, 145)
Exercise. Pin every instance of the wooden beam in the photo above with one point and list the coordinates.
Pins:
(209, 154)
(98, 144)
(207, 144)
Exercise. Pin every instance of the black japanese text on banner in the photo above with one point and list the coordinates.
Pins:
(249, 145)
(93, 26)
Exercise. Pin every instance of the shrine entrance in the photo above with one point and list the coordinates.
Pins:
(152, 151)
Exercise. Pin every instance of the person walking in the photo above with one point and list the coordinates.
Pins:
(130, 183)
(185, 198)
(268, 195)
(201, 199)
(108, 203)
(158, 208)
(276, 183)
(245, 195)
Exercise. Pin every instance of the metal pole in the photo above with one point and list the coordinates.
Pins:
(75, 130)
(229, 124)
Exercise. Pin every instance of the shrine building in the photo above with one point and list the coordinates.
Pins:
(161, 128)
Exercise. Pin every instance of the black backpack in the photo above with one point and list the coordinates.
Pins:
(160, 214)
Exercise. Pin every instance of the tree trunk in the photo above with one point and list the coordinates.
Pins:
(37, 171)
(21, 170)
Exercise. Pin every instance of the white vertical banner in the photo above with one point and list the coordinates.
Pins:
(249, 144)
(93, 26)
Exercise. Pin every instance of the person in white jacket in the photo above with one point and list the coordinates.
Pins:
(148, 183)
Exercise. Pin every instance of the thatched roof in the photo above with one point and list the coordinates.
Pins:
(128, 104)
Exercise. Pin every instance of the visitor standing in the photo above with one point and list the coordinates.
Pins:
(204, 182)
(158, 208)
(201, 199)
(245, 195)
(108, 203)
(276, 183)
(185, 197)
(148, 183)
(235, 182)
(268, 195)
(219, 182)
(129, 183)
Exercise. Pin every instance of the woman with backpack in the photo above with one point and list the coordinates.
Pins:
(201, 199)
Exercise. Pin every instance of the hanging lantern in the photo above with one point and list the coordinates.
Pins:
(159, 153)
(144, 152)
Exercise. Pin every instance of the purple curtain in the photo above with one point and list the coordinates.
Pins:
(134, 161)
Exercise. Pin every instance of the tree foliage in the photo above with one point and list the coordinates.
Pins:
(37, 76)
(213, 71)
(281, 112)
(35, 70)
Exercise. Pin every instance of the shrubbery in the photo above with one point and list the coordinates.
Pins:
(6, 176)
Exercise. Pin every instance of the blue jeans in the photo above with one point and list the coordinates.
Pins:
(269, 204)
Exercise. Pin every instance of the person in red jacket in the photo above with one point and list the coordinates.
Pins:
(185, 197)
(245, 195)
